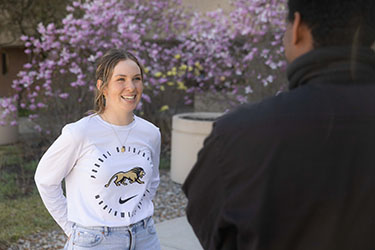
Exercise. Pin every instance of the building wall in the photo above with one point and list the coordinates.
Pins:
(207, 5)
(14, 58)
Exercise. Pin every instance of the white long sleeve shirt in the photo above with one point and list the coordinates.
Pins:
(104, 186)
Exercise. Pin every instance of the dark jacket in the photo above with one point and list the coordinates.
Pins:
(296, 171)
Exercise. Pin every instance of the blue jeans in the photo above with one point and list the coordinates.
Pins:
(139, 236)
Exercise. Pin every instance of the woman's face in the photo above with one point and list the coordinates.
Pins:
(124, 89)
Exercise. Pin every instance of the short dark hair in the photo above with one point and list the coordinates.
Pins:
(337, 22)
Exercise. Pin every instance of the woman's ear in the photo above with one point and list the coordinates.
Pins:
(99, 84)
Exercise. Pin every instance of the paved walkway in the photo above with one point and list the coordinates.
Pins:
(177, 234)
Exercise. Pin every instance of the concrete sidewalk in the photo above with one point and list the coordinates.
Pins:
(177, 234)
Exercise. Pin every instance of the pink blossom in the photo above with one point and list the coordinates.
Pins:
(38, 128)
(40, 105)
(146, 98)
(27, 65)
(64, 95)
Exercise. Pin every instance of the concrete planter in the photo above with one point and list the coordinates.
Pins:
(188, 133)
(8, 133)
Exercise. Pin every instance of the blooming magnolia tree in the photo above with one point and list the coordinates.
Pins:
(238, 52)
(57, 85)
(183, 51)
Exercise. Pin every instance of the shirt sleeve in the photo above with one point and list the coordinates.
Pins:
(155, 180)
(55, 164)
(204, 188)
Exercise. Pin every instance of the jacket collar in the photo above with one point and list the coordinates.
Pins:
(334, 65)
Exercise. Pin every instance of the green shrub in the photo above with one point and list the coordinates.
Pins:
(9, 187)
(16, 171)
(165, 160)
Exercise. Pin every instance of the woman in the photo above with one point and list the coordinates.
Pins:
(109, 161)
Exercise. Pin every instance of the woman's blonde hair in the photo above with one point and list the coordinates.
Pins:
(104, 71)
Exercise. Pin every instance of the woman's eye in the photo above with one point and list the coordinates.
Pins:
(121, 79)
(137, 79)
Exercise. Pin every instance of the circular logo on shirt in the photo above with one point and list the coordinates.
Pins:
(123, 175)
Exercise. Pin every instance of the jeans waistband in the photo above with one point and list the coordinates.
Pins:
(143, 223)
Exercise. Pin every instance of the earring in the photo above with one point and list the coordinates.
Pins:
(104, 101)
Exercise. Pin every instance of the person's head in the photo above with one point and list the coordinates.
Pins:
(119, 77)
(328, 23)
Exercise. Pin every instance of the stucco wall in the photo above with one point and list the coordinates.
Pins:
(207, 5)
(15, 60)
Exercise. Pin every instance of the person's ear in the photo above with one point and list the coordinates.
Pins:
(296, 28)
(301, 34)
(99, 85)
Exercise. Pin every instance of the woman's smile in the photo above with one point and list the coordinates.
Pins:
(124, 90)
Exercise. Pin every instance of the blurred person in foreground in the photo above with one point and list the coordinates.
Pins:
(110, 163)
(297, 170)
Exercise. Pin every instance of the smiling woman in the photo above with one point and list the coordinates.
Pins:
(119, 86)
(110, 162)
(123, 92)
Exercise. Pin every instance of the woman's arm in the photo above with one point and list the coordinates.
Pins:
(155, 180)
(55, 164)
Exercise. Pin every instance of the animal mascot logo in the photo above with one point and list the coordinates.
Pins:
(133, 175)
